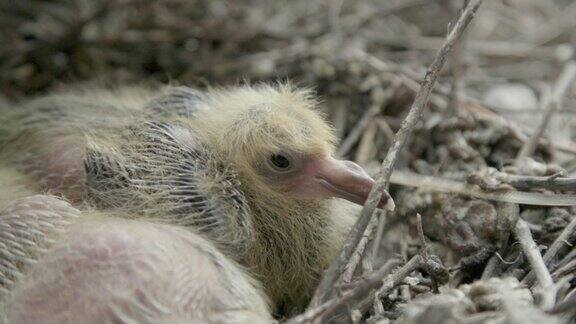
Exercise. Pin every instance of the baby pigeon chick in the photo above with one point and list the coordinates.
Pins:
(249, 168)
(98, 269)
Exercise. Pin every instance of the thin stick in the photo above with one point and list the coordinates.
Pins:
(324, 290)
(372, 298)
(457, 69)
(363, 288)
(492, 268)
(562, 85)
(553, 182)
(364, 121)
(424, 251)
(366, 149)
(379, 234)
(476, 106)
(508, 49)
(567, 236)
(350, 268)
(438, 184)
(357, 131)
(385, 128)
(529, 147)
(531, 251)
(566, 269)
(507, 214)
(458, 84)
(568, 304)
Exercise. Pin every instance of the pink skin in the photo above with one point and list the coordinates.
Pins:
(325, 177)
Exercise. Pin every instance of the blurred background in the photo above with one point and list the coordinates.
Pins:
(356, 53)
(350, 51)
(318, 43)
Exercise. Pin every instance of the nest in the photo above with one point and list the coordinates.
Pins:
(481, 260)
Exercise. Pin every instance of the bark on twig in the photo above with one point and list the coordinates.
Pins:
(457, 69)
(438, 184)
(363, 288)
(366, 149)
(424, 250)
(567, 236)
(507, 215)
(324, 290)
(357, 131)
(531, 251)
(522, 182)
(368, 116)
(357, 255)
(379, 234)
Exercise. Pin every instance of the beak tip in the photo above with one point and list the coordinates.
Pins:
(386, 202)
(390, 205)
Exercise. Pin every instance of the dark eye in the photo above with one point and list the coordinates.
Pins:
(280, 162)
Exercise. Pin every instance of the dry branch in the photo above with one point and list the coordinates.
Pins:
(437, 184)
(522, 182)
(361, 125)
(363, 288)
(350, 268)
(507, 215)
(567, 236)
(379, 234)
(325, 287)
(424, 250)
(530, 249)
(457, 69)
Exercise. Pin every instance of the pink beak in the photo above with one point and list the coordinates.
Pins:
(328, 177)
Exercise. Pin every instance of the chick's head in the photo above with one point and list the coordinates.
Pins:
(281, 145)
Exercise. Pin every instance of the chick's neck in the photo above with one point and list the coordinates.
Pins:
(292, 243)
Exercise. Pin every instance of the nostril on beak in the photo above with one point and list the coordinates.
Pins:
(355, 168)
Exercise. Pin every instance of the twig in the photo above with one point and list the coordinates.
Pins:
(324, 290)
(529, 147)
(385, 128)
(457, 69)
(522, 182)
(531, 251)
(562, 84)
(366, 148)
(357, 131)
(372, 298)
(507, 215)
(350, 268)
(569, 258)
(568, 235)
(477, 107)
(492, 268)
(424, 251)
(363, 288)
(364, 121)
(411, 179)
(564, 270)
(514, 266)
(491, 48)
(568, 304)
(458, 85)
(379, 233)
